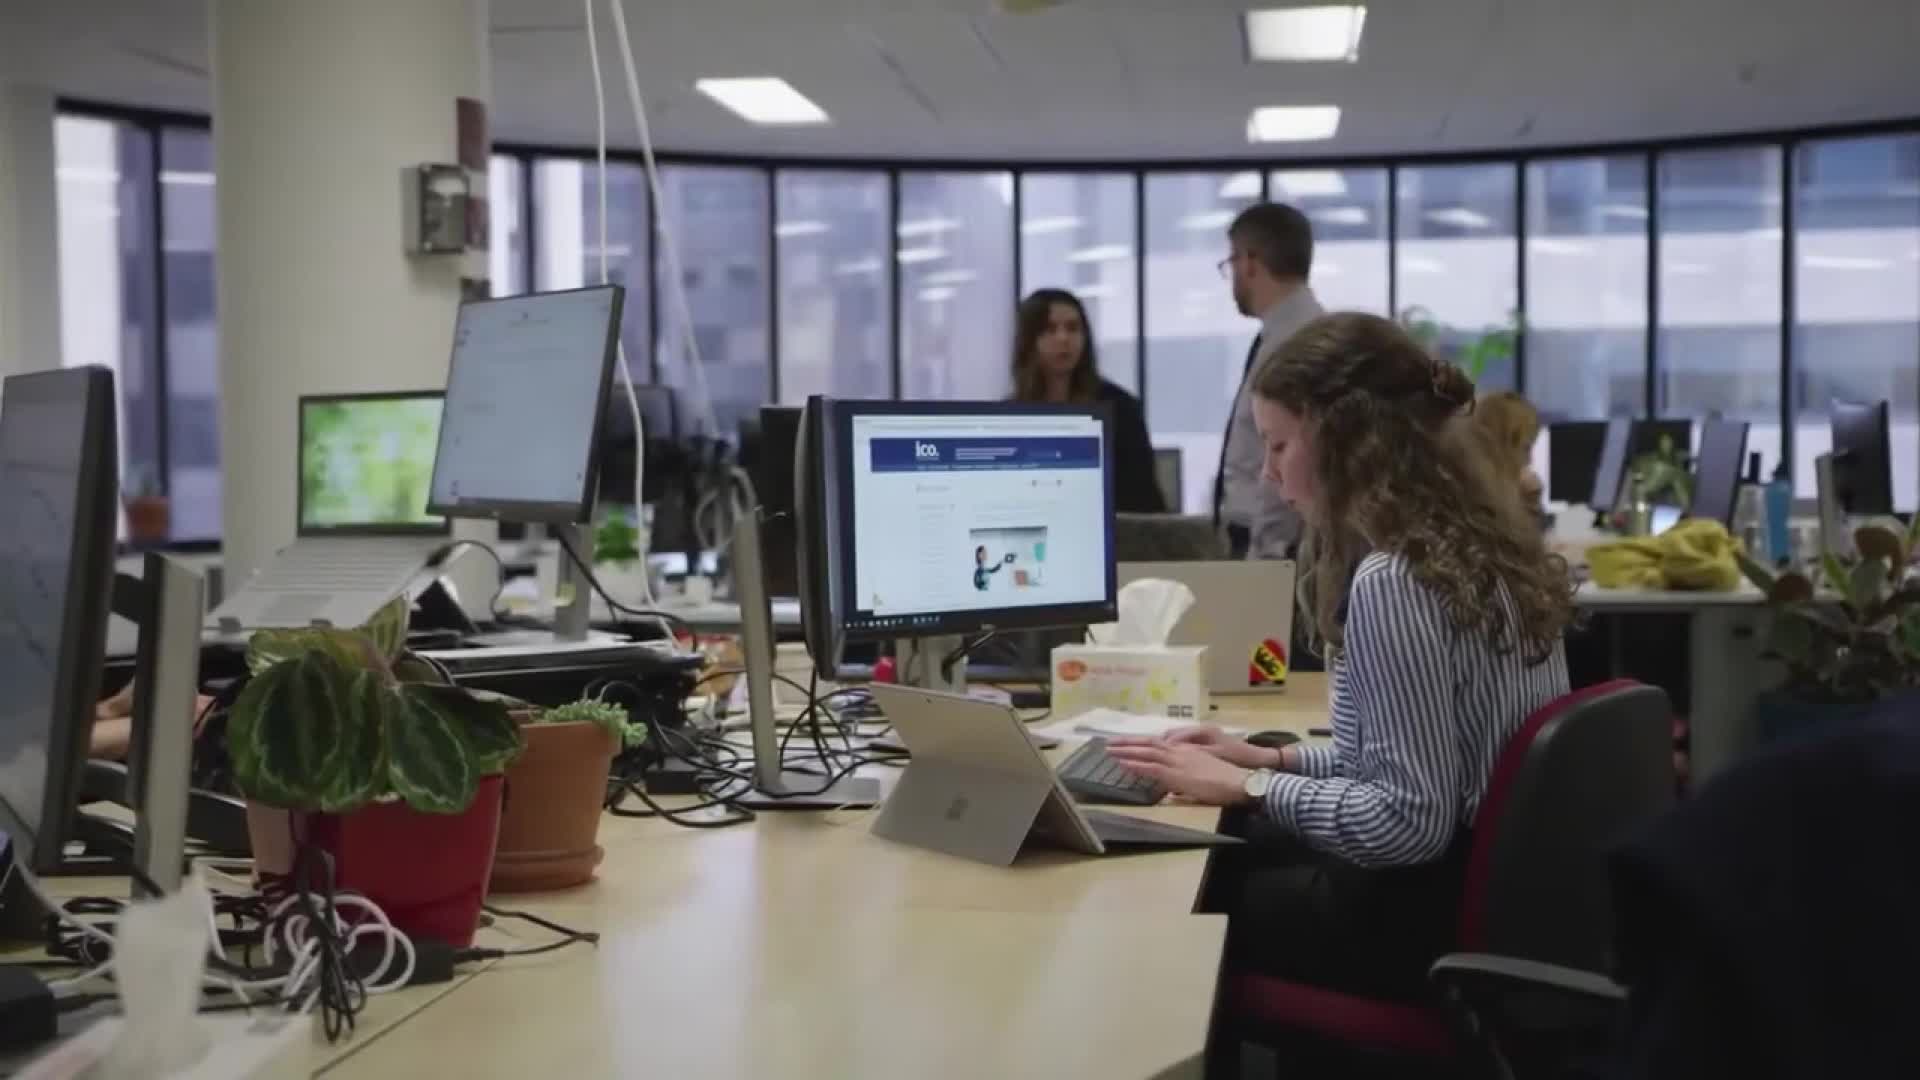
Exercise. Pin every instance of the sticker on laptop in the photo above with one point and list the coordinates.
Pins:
(1269, 666)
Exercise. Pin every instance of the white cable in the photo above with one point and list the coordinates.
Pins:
(676, 280)
(620, 346)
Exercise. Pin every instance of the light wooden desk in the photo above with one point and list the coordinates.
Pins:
(691, 992)
(804, 945)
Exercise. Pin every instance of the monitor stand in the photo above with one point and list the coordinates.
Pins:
(921, 663)
(776, 787)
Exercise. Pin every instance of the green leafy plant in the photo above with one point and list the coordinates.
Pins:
(1860, 639)
(607, 715)
(332, 720)
(616, 540)
(1661, 476)
(1492, 345)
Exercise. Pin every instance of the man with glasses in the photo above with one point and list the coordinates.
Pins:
(1271, 254)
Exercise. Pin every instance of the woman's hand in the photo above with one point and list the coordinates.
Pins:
(1186, 769)
(1229, 748)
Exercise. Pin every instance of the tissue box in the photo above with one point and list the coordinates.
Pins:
(1151, 680)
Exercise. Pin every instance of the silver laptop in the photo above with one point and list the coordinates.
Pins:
(978, 787)
(363, 534)
(1242, 613)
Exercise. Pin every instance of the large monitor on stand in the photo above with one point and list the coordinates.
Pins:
(938, 524)
(58, 466)
(519, 433)
(1862, 458)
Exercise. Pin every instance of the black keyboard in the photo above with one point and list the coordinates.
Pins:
(1092, 776)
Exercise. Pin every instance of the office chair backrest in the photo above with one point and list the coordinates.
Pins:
(1166, 538)
(1582, 772)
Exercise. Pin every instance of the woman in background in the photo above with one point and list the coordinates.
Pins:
(1510, 424)
(1053, 362)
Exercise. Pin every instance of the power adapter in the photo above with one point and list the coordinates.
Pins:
(673, 777)
(27, 1014)
(433, 961)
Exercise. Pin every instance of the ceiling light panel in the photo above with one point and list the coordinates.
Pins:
(763, 100)
(1305, 34)
(1293, 123)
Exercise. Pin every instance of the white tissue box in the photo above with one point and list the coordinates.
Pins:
(1150, 680)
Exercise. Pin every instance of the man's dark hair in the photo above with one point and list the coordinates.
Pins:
(1278, 236)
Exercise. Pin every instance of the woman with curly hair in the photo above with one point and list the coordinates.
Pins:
(1441, 612)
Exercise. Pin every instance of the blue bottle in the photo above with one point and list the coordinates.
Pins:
(1779, 510)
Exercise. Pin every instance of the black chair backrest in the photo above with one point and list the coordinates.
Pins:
(1594, 772)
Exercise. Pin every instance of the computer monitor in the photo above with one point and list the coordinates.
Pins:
(770, 463)
(932, 519)
(620, 451)
(525, 403)
(58, 482)
(1611, 469)
(1716, 473)
(1574, 448)
(366, 461)
(1862, 458)
(166, 686)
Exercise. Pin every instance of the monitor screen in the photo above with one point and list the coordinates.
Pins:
(366, 461)
(775, 446)
(1611, 469)
(961, 517)
(1862, 458)
(58, 459)
(1716, 474)
(526, 392)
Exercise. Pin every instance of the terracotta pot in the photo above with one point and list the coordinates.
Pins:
(555, 793)
(428, 872)
(149, 519)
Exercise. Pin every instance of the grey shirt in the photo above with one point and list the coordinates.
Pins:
(1247, 499)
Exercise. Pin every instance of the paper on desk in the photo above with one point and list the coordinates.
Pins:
(1113, 723)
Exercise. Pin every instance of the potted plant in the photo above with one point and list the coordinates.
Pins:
(1849, 646)
(1660, 477)
(378, 761)
(149, 514)
(1479, 353)
(555, 792)
(616, 555)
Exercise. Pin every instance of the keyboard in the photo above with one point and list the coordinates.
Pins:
(1091, 775)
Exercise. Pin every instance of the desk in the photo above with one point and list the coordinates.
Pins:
(690, 992)
(804, 945)
(1726, 633)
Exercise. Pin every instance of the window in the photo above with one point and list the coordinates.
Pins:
(105, 175)
(1586, 290)
(193, 341)
(506, 226)
(1348, 210)
(566, 208)
(1718, 343)
(719, 220)
(1857, 295)
(1459, 257)
(1077, 233)
(830, 255)
(955, 254)
(1196, 340)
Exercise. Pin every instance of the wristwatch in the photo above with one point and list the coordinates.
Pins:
(1258, 783)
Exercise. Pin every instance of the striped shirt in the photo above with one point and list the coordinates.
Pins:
(1420, 713)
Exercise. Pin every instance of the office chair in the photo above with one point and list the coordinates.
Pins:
(1583, 770)
(1763, 928)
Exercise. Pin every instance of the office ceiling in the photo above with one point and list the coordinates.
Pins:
(1105, 79)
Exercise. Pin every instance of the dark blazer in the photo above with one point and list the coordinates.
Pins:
(1136, 484)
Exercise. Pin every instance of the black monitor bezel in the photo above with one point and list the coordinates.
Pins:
(1718, 504)
(89, 596)
(1862, 429)
(441, 528)
(550, 513)
(837, 459)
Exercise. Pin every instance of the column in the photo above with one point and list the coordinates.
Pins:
(317, 108)
(29, 237)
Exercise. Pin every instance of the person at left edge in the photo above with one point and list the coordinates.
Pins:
(1053, 361)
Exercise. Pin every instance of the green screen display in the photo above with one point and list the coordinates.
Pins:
(367, 463)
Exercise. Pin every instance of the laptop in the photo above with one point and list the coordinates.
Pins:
(1242, 613)
(978, 787)
(362, 531)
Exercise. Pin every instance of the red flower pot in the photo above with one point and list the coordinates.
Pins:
(428, 872)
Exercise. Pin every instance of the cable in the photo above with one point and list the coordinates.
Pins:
(499, 565)
(674, 623)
